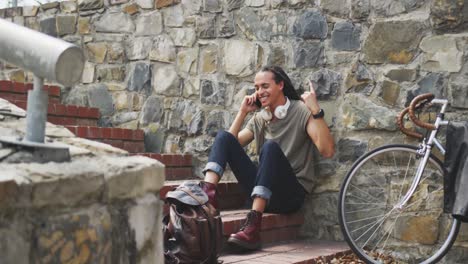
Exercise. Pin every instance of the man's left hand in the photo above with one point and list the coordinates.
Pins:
(310, 99)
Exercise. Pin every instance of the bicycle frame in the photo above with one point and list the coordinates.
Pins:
(425, 149)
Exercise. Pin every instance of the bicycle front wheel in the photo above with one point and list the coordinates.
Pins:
(380, 232)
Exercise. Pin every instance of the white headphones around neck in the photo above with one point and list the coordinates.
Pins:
(280, 112)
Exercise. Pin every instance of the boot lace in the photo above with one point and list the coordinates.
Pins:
(248, 220)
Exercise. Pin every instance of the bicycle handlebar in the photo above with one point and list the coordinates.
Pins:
(418, 102)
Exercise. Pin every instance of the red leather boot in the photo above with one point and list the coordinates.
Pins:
(248, 236)
(210, 190)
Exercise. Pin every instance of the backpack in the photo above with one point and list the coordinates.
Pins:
(193, 230)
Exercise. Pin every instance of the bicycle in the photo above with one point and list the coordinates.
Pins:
(391, 203)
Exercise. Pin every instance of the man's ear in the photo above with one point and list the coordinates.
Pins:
(281, 85)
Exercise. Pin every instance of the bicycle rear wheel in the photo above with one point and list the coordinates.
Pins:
(375, 229)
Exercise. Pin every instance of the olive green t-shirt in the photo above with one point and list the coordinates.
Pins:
(291, 135)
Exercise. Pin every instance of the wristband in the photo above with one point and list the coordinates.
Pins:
(320, 114)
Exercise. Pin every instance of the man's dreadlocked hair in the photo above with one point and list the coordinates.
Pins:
(279, 75)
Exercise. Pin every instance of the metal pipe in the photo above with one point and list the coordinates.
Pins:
(37, 112)
(47, 57)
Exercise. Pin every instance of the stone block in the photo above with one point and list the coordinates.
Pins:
(131, 9)
(206, 26)
(251, 25)
(360, 79)
(144, 175)
(30, 11)
(401, 75)
(144, 219)
(213, 93)
(145, 4)
(183, 37)
(139, 79)
(117, 2)
(84, 26)
(327, 83)
(68, 6)
(336, 8)
(154, 138)
(165, 3)
(360, 113)
(213, 6)
(311, 25)
(187, 60)
(447, 14)
(225, 25)
(15, 240)
(114, 22)
(390, 92)
(32, 23)
(234, 4)
(393, 41)
(90, 4)
(149, 24)
(216, 120)
(166, 81)
(49, 26)
(186, 117)
(431, 83)
(109, 73)
(441, 54)
(350, 149)
(66, 24)
(96, 52)
(152, 111)
(209, 59)
(173, 16)
(239, 65)
(81, 189)
(308, 54)
(138, 48)
(191, 87)
(254, 3)
(346, 36)
(99, 97)
(163, 49)
(419, 229)
(360, 9)
(88, 73)
(116, 53)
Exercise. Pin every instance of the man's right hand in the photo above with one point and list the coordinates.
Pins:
(248, 104)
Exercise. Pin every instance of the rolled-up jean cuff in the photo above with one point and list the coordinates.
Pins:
(215, 167)
(262, 192)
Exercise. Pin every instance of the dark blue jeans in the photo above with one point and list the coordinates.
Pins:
(273, 180)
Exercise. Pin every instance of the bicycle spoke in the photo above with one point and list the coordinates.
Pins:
(364, 210)
(363, 191)
(404, 179)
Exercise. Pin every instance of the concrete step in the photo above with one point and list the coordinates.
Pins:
(12, 91)
(131, 140)
(230, 194)
(292, 252)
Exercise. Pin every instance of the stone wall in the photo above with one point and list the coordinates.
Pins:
(179, 68)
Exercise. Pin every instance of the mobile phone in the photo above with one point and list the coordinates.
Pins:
(258, 103)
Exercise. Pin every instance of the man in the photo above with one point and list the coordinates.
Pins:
(285, 133)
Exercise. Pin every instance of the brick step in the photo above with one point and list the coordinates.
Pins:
(292, 252)
(275, 227)
(230, 194)
(12, 91)
(178, 166)
(64, 115)
(131, 140)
